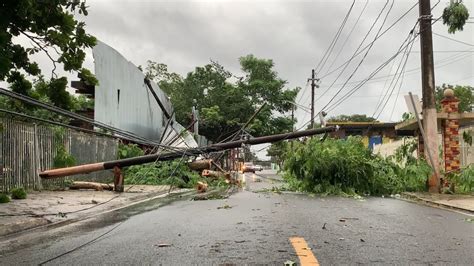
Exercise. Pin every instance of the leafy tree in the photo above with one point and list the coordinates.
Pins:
(465, 94)
(225, 105)
(51, 28)
(277, 152)
(351, 118)
(48, 92)
(455, 16)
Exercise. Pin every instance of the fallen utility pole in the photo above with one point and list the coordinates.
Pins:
(88, 168)
(423, 134)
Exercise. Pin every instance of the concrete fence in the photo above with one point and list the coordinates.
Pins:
(28, 148)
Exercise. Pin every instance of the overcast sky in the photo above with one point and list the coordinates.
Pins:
(295, 34)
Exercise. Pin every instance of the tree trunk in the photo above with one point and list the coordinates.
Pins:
(90, 185)
(200, 165)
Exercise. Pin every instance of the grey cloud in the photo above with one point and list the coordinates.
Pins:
(295, 34)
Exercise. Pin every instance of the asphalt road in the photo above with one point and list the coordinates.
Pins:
(253, 227)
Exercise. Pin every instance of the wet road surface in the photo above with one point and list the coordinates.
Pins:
(254, 227)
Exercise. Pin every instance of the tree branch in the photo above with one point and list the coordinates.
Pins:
(35, 39)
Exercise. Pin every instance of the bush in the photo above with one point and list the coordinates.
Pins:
(4, 198)
(348, 167)
(128, 151)
(175, 173)
(464, 180)
(18, 193)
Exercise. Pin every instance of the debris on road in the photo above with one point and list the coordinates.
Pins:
(290, 263)
(324, 226)
(362, 240)
(90, 185)
(163, 245)
(201, 187)
(225, 206)
(342, 220)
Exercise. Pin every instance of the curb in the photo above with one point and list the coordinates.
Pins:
(417, 199)
(132, 201)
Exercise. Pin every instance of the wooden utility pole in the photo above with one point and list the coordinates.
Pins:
(313, 87)
(292, 122)
(428, 88)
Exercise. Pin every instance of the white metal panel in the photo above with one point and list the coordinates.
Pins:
(122, 98)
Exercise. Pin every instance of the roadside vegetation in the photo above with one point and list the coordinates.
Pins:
(16, 193)
(175, 173)
(464, 180)
(348, 167)
(4, 198)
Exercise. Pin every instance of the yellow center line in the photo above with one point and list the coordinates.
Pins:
(304, 253)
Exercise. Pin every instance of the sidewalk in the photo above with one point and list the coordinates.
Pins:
(464, 203)
(48, 207)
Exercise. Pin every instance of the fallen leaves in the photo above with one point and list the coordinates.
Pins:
(225, 206)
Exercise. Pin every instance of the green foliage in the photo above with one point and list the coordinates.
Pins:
(18, 193)
(225, 106)
(407, 116)
(175, 173)
(465, 94)
(4, 198)
(348, 167)
(81, 103)
(51, 92)
(404, 154)
(467, 137)
(87, 77)
(50, 28)
(128, 151)
(455, 16)
(277, 151)
(463, 180)
(351, 118)
(63, 158)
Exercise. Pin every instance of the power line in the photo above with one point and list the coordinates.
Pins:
(327, 54)
(358, 86)
(396, 77)
(363, 58)
(415, 70)
(55, 123)
(349, 35)
(124, 134)
(381, 34)
(401, 75)
(451, 39)
(355, 52)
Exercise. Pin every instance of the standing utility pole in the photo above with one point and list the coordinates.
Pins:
(428, 88)
(313, 86)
